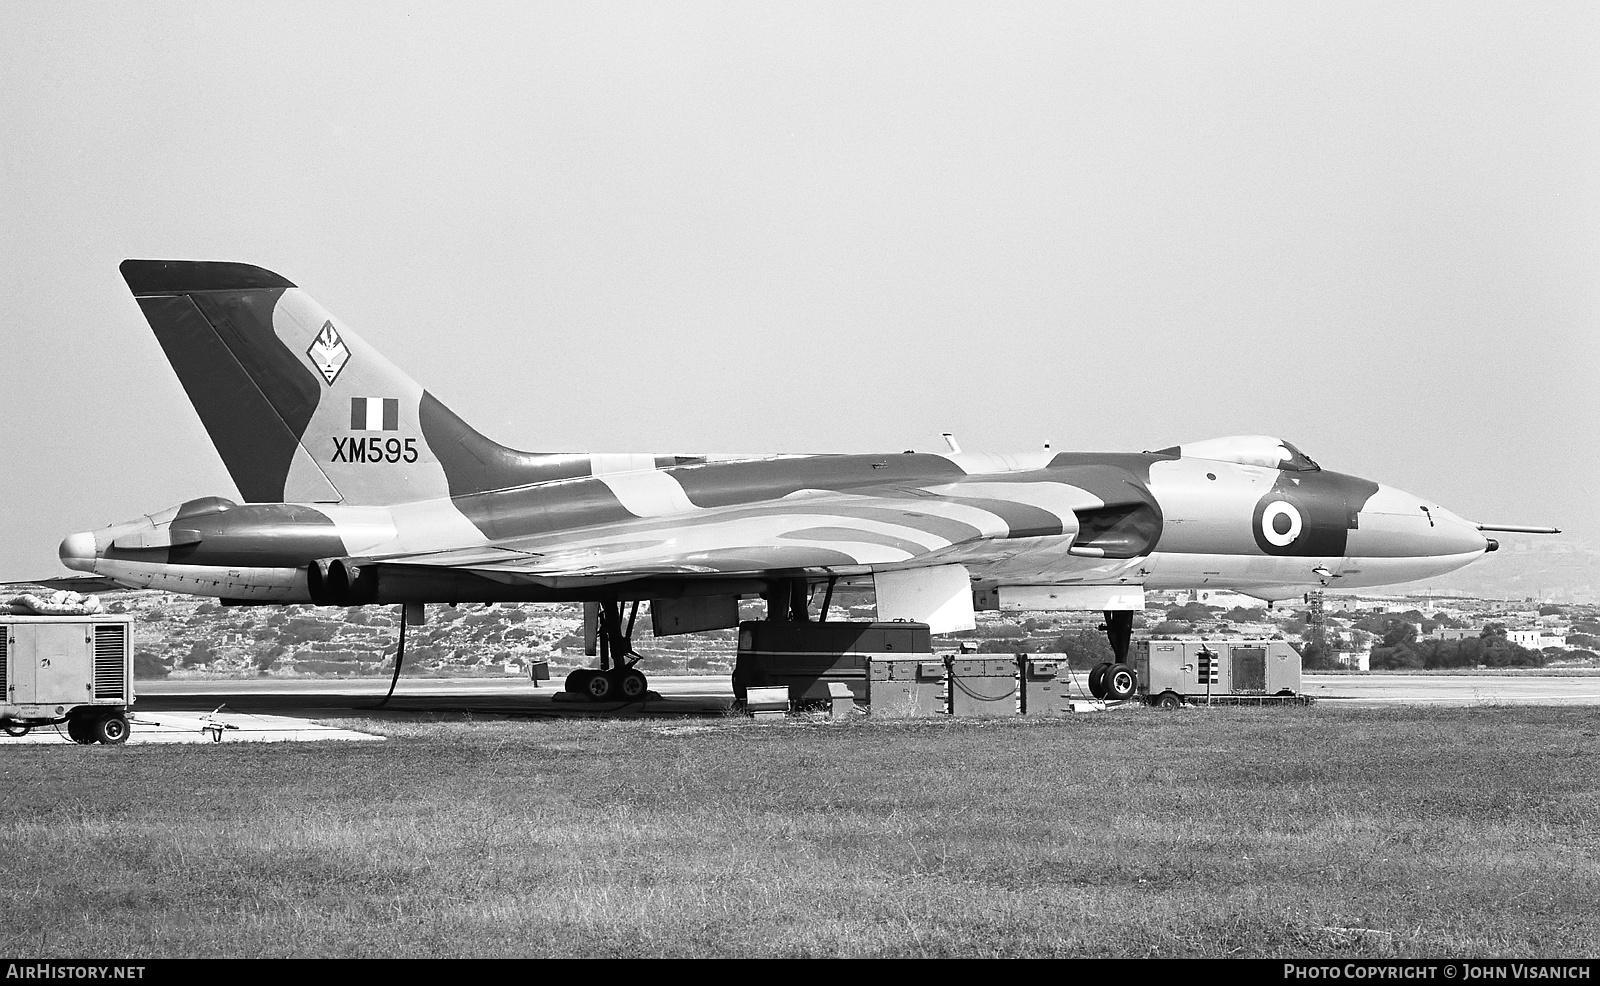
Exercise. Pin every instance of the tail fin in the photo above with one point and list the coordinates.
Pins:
(300, 408)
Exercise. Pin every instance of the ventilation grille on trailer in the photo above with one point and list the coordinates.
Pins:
(110, 660)
(5, 696)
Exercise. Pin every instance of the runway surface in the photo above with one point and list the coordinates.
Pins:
(705, 694)
(196, 727)
(1453, 689)
(278, 710)
(685, 695)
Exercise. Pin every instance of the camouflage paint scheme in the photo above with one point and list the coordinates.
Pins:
(363, 487)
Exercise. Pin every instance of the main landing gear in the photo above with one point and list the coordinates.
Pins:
(1116, 681)
(616, 680)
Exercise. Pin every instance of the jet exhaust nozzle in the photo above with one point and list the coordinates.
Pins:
(355, 585)
(317, 581)
(341, 582)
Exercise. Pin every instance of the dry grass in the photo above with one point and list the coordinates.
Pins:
(1256, 832)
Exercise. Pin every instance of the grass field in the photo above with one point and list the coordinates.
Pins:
(1226, 832)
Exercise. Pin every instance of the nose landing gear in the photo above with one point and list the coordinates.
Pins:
(1115, 680)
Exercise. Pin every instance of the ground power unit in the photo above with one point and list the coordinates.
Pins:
(76, 670)
(806, 657)
(1218, 672)
(907, 688)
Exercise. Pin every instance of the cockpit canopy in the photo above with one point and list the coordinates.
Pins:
(1248, 450)
(191, 508)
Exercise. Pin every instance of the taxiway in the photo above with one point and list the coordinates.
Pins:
(198, 710)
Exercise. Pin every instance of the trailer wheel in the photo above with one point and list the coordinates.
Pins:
(80, 730)
(111, 729)
(1097, 679)
(1169, 700)
(14, 728)
(1120, 682)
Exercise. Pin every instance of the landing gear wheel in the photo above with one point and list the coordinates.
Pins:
(1097, 679)
(599, 686)
(14, 728)
(1169, 700)
(1120, 682)
(576, 680)
(110, 730)
(80, 730)
(632, 684)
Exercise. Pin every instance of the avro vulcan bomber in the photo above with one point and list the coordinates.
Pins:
(359, 487)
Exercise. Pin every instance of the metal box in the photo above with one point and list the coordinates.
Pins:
(767, 703)
(1222, 669)
(1049, 688)
(76, 669)
(906, 687)
(807, 656)
(984, 686)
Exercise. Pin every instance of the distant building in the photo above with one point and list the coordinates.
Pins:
(1341, 604)
(1355, 660)
(1534, 638)
(1510, 607)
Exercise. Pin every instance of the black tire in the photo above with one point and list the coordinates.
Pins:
(1120, 682)
(575, 680)
(598, 687)
(80, 730)
(1169, 700)
(111, 730)
(1097, 679)
(14, 728)
(632, 685)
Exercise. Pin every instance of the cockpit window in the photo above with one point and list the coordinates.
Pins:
(204, 505)
(1298, 461)
(1250, 450)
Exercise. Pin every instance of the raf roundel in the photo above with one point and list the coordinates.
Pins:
(1281, 523)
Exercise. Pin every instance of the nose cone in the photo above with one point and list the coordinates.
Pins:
(78, 552)
(1454, 535)
(1394, 523)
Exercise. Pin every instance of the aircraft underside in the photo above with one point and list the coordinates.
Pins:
(1265, 578)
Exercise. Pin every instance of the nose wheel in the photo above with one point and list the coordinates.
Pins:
(1115, 680)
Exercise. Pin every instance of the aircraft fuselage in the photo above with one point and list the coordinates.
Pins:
(1157, 519)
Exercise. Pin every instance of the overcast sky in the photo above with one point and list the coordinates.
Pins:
(1372, 229)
